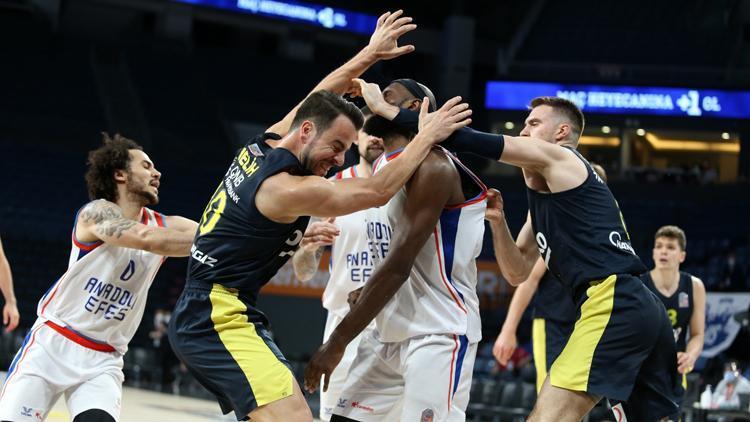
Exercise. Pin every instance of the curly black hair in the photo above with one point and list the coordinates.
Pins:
(104, 161)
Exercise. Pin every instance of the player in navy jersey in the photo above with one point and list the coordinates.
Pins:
(253, 224)
(553, 319)
(683, 295)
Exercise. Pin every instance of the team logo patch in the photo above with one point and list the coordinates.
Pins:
(255, 150)
(683, 300)
(427, 415)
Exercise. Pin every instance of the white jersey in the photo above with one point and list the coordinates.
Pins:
(440, 296)
(101, 297)
(351, 260)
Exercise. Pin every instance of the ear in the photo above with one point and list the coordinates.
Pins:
(563, 131)
(121, 176)
(683, 254)
(414, 104)
(307, 131)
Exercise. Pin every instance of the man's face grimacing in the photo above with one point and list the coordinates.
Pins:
(544, 123)
(326, 149)
(369, 147)
(142, 178)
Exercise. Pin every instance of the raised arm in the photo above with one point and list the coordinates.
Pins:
(423, 207)
(507, 340)
(104, 220)
(383, 45)
(284, 197)
(10, 309)
(517, 257)
(686, 360)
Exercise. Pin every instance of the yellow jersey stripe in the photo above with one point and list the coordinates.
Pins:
(572, 368)
(268, 377)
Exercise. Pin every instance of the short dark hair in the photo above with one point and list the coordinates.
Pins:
(323, 107)
(104, 161)
(568, 108)
(672, 232)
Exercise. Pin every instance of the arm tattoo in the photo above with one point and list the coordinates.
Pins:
(107, 218)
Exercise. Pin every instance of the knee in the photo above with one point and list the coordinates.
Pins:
(94, 415)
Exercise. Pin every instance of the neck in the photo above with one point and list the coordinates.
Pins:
(665, 277)
(130, 210)
(364, 169)
(290, 142)
(395, 143)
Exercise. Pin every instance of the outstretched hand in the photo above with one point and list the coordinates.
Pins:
(390, 27)
(438, 125)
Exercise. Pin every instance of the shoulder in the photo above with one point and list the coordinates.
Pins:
(697, 284)
(437, 164)
(99, 210)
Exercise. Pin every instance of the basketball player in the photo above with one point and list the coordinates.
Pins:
(86, 319)
(10, 310)
(554, 314)
(350, 266)
(621, 346)
(252, 225)
(683, 295)
(422, 295)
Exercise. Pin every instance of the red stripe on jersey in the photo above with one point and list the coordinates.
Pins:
(159, 219)
(88, 246)
(442, 273)
(52, 295)
(77, 338)
(23, 355)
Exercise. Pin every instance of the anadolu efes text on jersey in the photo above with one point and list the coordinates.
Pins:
(440, 295)
(353, 253)
(581, 233)
(102, 295)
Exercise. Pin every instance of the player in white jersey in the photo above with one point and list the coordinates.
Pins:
(86, 319)
(350, 267)
(423, 294)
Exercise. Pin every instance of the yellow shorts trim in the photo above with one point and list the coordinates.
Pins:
(572, 368)
(269, 378)
(539, 341)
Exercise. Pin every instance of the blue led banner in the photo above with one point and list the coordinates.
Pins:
(630, 100)
(297, 11)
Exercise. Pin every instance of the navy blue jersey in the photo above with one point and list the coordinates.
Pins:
(679, 306)
(237, 246)
(581, 233)
(553, 301)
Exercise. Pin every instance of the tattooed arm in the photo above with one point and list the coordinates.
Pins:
(104, 220)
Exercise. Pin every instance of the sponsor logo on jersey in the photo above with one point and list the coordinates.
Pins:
(683, 300)
(359, 405)
(617, 241)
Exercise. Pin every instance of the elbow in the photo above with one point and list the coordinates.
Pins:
(514, 280)
(381, 195)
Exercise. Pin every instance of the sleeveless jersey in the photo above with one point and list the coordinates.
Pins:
(351, 262)
(581, 233)
(237, 246)
(102, 295)
(679, 306)
(553, 301)
(440, 295)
